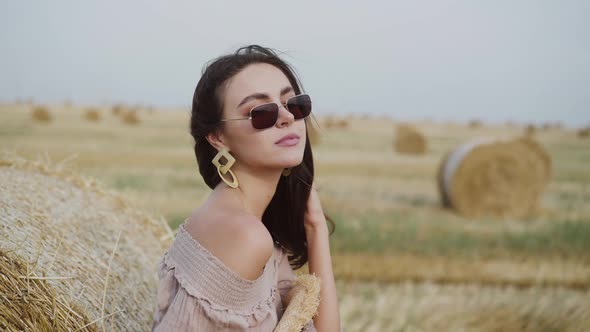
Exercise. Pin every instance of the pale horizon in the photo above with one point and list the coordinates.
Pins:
(455, 61)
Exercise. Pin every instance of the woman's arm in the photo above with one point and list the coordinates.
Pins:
(320, 264)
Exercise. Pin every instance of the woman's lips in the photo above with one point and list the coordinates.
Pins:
(289, 142)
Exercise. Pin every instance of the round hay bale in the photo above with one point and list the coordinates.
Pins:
(584, 132)
(491, 177)
(130, 117)
(73, 256)
(92, 115)
(342, 123)
(474, 124)
(530, 130)
(409, 140)
(41, 114)
(117, 109)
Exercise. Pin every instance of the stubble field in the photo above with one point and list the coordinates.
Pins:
(402, 263)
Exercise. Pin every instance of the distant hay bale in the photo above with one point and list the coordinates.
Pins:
(475, 124)
(409, 140)
(530, 130)
(130, 117)
(118, 110)
(342, 123)
(92, 115)
(584, 132)
(491, 177)
(72, 255)
(41, 114)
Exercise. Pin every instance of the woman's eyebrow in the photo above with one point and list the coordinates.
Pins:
(253, 96)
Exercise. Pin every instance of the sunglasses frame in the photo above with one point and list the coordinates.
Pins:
(278, 109)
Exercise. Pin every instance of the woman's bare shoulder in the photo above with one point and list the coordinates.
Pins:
(239, 240)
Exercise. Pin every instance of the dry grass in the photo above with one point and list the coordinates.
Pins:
(408, 306)
(388, 216)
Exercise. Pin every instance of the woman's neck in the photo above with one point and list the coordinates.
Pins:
(254, 192)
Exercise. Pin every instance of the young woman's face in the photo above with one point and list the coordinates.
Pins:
(256, 148)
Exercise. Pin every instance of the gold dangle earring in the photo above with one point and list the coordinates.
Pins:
(223, 169)
(286, 172)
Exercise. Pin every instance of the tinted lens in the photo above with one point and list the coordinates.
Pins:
(300, 106)
(265, 115)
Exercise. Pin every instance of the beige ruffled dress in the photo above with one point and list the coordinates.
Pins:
(197, 292)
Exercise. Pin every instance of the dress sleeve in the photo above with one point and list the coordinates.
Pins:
(286, 279)
(197, 293)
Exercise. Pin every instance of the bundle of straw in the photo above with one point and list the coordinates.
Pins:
(494, 177)
(303, 300)
(73, 257)
(409, 140)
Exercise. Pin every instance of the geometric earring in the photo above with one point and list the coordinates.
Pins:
(223, 169)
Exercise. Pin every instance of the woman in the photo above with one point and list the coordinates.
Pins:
(229, 267)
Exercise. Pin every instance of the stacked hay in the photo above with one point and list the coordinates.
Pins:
(583, 133)
(475, 124)
(130, 117)
(409, 140)
(530, 130)
(490, 177)
(117, 109)
(92, 115)
(73, 257)
(41, 114)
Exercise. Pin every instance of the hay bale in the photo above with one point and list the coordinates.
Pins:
(117, 110)
(584, 132)
(73, 255)
(130, 117)
(342, 123)
(302, 303)
(491, 177)
(474, 124)
(41, 114)
(409, 140)
(92, 115)
(530, 130)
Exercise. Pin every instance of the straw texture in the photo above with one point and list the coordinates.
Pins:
(303, 301)
(73, 256)
(492, 177)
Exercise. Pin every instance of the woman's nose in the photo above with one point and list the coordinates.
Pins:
(285, 117)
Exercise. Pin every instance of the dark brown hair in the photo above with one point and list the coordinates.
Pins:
(284, 215)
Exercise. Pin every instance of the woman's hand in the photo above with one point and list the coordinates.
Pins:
(314, 216)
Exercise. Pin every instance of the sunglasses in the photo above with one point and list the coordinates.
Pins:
(265, 115)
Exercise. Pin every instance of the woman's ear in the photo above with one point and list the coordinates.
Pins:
(215, 138)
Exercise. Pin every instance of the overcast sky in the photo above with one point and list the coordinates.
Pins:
(524, 61)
